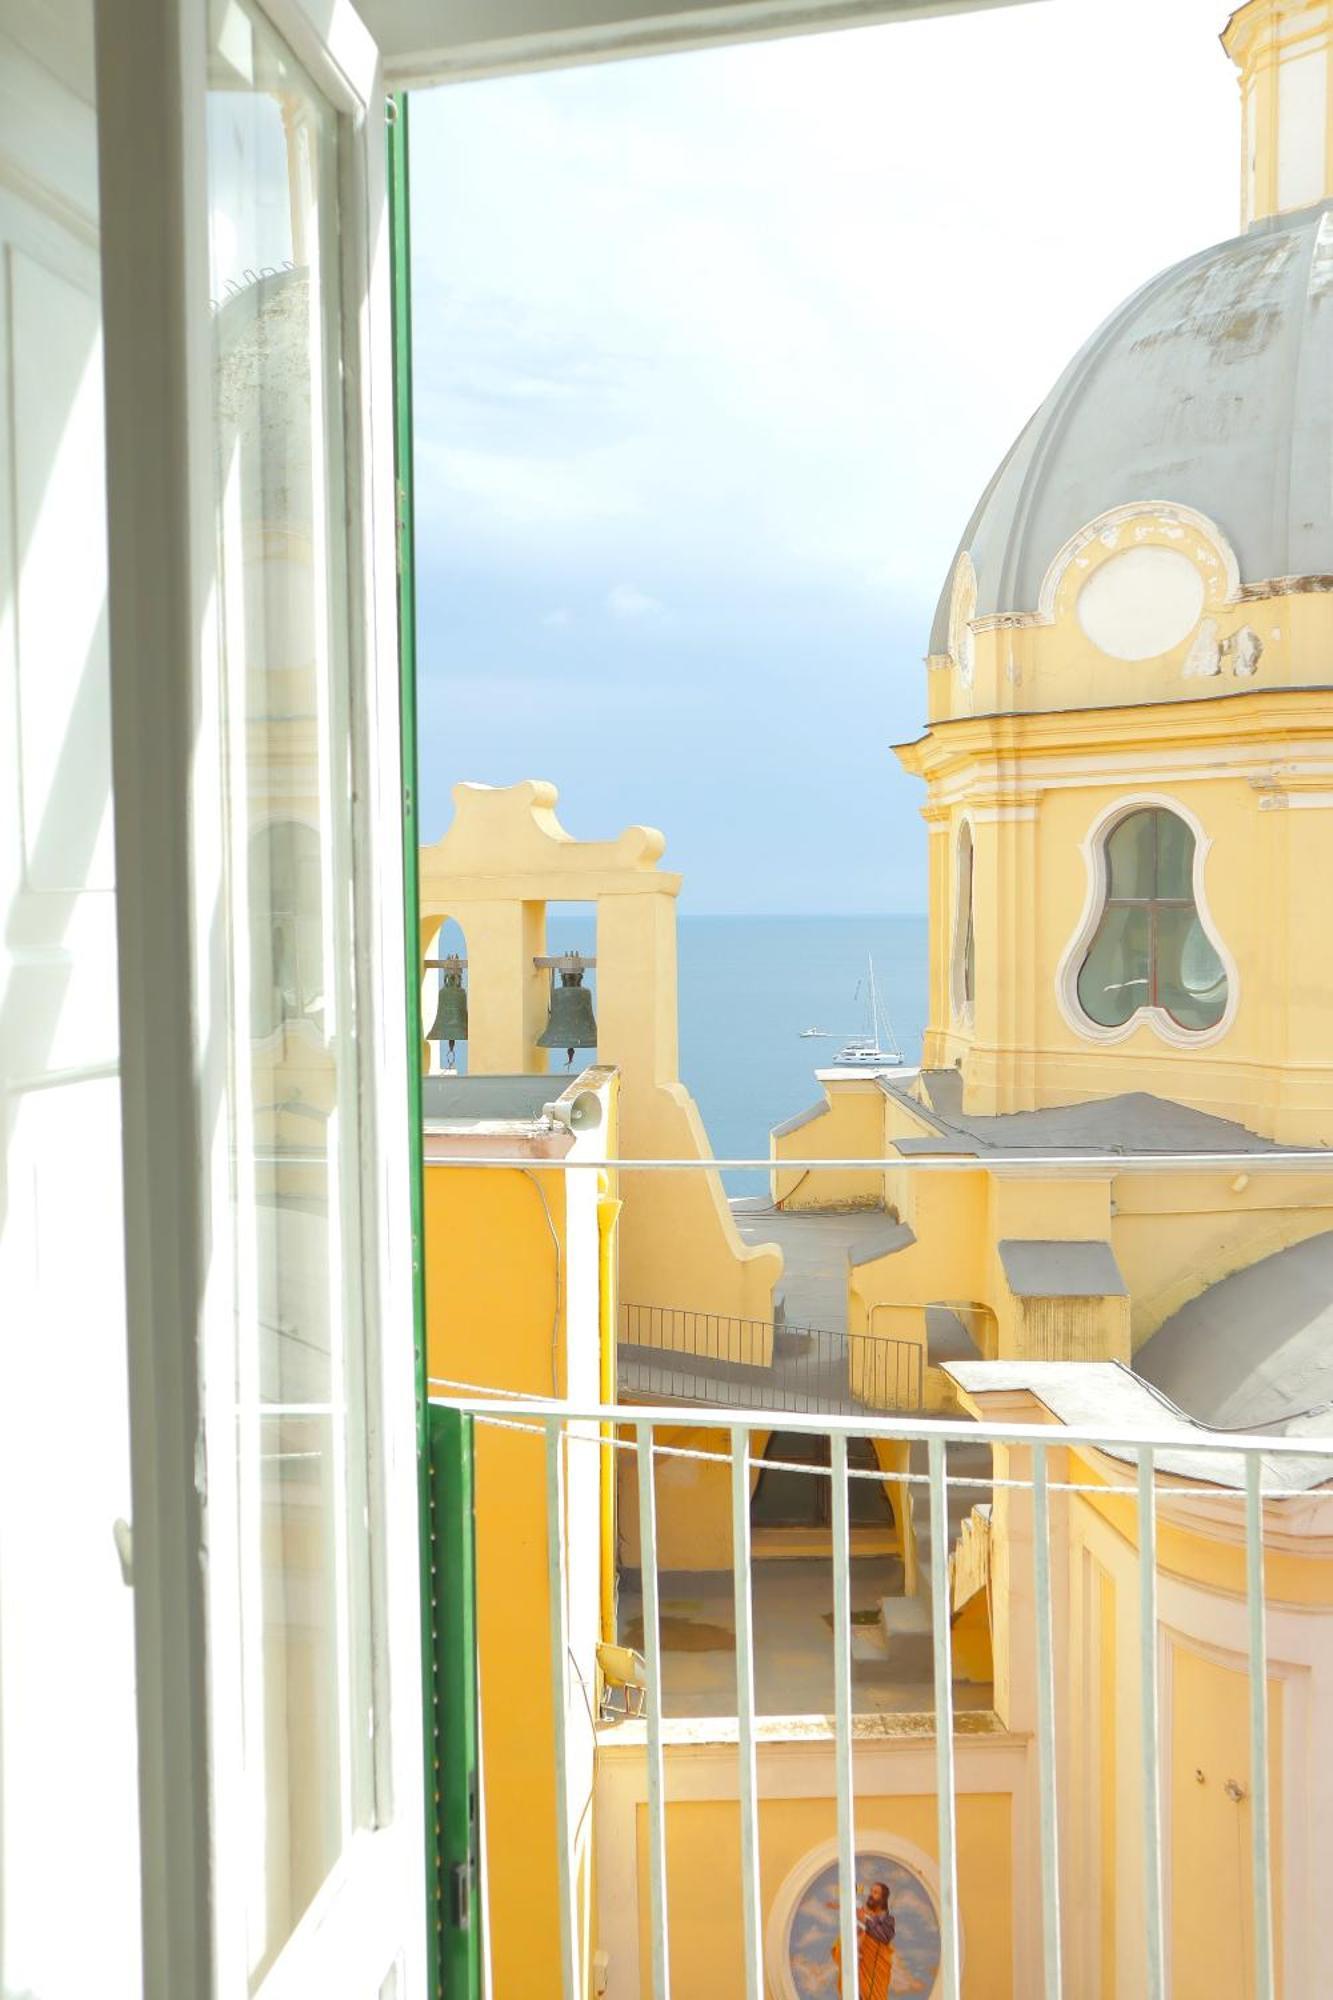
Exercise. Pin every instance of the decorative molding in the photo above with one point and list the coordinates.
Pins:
(1093, 848)
(1173, 522)
(962, 610)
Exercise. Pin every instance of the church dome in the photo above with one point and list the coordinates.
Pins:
(1211, 388)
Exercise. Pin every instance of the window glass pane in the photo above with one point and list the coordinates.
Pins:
(1175, 857)
(287, 978)
(1191, 979)
(281, 614)
(964, 946)
(1130, 856)
(970, 956)
(1114, 979)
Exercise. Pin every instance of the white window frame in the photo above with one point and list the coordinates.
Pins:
(1066, 979)
(152, 78)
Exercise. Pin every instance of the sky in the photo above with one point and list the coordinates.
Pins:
(714, 354)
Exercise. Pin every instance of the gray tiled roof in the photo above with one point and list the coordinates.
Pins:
(1042, 1269)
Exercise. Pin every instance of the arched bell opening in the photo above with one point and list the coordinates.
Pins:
(570, 963)
(444, 1001)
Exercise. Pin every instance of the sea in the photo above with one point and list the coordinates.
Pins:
(749, 985)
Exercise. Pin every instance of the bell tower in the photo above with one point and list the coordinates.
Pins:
(504, 859)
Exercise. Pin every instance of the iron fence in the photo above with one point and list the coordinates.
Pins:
(717, 1358)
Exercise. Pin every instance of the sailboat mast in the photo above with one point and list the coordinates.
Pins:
(874, 1003)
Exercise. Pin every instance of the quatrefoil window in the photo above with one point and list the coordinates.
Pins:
(1150, 948)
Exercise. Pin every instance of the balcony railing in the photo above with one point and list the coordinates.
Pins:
(701, 1357)
(1033, 1465)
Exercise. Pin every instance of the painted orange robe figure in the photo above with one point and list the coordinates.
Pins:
(874, 1946)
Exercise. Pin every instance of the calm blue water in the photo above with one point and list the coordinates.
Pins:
(748, 985)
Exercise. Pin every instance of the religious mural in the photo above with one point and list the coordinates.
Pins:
(897, 1934)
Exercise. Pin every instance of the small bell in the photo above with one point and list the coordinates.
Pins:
(570, 1023)
(450, 1023)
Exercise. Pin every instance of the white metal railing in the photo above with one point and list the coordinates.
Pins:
(1237, 1464)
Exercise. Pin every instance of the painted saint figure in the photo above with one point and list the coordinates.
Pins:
(875, 1927)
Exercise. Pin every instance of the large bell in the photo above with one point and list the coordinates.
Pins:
(571, 1023)
(450, 1023)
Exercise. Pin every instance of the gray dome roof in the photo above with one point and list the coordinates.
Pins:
(1255, 1348)
(1211, 387)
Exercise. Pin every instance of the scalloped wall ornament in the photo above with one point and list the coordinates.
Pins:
(1093, 849)
(962, 610)
(1141, 524)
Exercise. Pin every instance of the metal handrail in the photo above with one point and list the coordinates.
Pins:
(1150, 1444)
(724, 1359)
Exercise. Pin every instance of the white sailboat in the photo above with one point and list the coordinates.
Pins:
(877, 1047)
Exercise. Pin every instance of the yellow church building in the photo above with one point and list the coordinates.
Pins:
(1102, 1201)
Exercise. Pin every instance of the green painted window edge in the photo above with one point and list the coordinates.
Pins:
(444, 1439)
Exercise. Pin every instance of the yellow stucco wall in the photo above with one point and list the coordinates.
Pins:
(1206, 1782)
(693, 1498)
(849, 1125)
(504, 1311)
(1047, 736)
(1173, 1233)
(703, 1880)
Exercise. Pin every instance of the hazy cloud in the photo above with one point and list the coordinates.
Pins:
(749, 330)
(627, 602)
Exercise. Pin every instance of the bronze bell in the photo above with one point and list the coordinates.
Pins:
(570, 1024)
(450, 1023)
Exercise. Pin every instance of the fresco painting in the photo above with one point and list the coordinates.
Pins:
(897, 1934)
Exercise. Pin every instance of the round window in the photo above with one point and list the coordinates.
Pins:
(1141, 602)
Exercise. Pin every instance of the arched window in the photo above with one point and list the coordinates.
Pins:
(1150, 948)
(963, 979)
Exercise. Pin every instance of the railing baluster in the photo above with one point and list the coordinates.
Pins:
(1261, 1867)
(944, 1772)
(1152, 1805)
(745, 1713)
(842, 1701)
(1046, 1761)
(652, 1653)
(555, 1560)
(653, 1663)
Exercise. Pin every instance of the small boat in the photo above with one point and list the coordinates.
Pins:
(877, 1047)
(816, 1034)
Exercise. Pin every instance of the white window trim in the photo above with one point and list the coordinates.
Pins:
(425, 44)
(151, 80)
(1093, 849)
